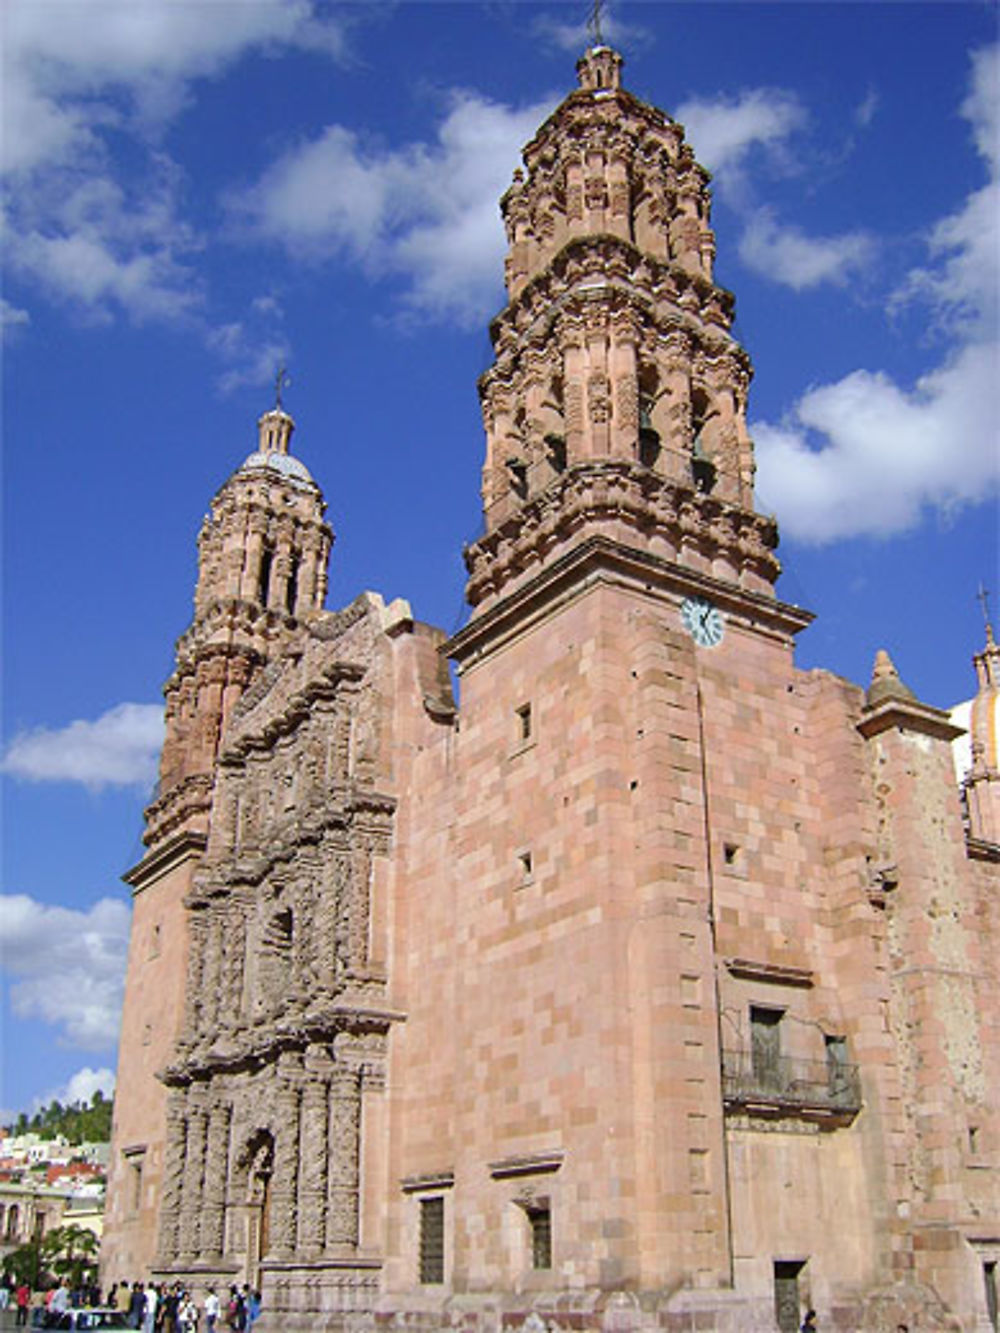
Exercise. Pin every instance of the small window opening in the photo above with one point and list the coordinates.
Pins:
(432, 1240)
(292, 591)
(787, 1297)
(973, 1139)
(540, 1222)
(731, 853)
(556, 445)
(264, 581)
(524, 723)
(649, 438)
(154, 942)
(525, 862)
(518, 470)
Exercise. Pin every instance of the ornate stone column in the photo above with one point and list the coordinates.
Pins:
(314, 1159)
(211, 970)
(345, 1134)
(216, 1176)
(173, 1176)
(189, 1241)
(284, 1183)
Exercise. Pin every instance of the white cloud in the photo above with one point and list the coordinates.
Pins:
(788, 255)
(80, 1087)
(72, 74)
(67, 966)
(120, 749)
(724, 130)
(427, 211)
(63, 64)
(11, 316)
(868, 456)
(865, 456)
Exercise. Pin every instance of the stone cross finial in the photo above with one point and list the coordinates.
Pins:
(281, 381)
(983, 597)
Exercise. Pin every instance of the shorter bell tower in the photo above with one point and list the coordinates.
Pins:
(262, 560)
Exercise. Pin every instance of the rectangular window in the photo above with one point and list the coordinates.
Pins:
(523, 718)
(786, 1294)
(765, 1047)
(133, 1180)
(836, 1068)
(432, 1239)
(540, 1222)
(992, 1305)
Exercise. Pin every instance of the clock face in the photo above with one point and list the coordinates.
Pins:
(703, 621)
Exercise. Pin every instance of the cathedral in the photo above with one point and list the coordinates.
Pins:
(637, 981)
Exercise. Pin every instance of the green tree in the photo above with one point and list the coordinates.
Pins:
(71, 1253)
(25, 1264)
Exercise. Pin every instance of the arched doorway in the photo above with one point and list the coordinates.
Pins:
(260, 1155)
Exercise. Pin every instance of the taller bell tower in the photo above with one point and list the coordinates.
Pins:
(616, 404)
(262, 559)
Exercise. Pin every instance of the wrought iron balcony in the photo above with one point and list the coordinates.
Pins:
(787, 1086)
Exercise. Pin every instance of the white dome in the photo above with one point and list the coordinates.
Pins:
(286, 464)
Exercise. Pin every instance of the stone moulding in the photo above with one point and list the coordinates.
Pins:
(649, 282)
(428, 1180)
(527, 1164)
(779, 973)
(615, 493)
(158, 861)
(536, 597)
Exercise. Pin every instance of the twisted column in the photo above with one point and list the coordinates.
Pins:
(313, 1175)
(173, 1174)
(284, 1182)
(344, 1179)
(213, 1211)
(194, 1170)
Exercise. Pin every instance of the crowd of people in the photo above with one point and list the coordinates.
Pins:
(153, 1307)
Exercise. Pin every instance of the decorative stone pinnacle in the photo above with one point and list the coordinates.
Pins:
(886, 683)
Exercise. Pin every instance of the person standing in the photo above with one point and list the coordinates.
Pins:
(22, 1299)
(149, 1309)
(211, 1307)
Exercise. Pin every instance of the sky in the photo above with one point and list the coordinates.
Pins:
(195, 192)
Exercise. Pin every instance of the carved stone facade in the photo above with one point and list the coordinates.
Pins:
(655, 985)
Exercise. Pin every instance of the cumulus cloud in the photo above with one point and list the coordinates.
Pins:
(866, 455)
(72, 89)
(790, 256)
(386, 208)
(723, 131)
(118, 749)
(80, 1087)
(60, 74)
(67, 967)
(760, 125)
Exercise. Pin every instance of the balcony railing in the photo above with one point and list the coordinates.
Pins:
(786, 1085)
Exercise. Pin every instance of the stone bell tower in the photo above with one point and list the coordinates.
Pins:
(263, 552)
(616, 404)
(622, 596)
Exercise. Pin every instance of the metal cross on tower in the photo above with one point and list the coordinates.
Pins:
(594, 22)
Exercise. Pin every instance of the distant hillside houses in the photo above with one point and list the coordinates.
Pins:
(48, 1183)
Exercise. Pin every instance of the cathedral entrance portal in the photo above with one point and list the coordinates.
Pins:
(258, 1211)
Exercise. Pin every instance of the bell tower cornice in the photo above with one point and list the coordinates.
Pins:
(617, 397)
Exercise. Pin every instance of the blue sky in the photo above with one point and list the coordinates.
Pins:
(195, 191)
